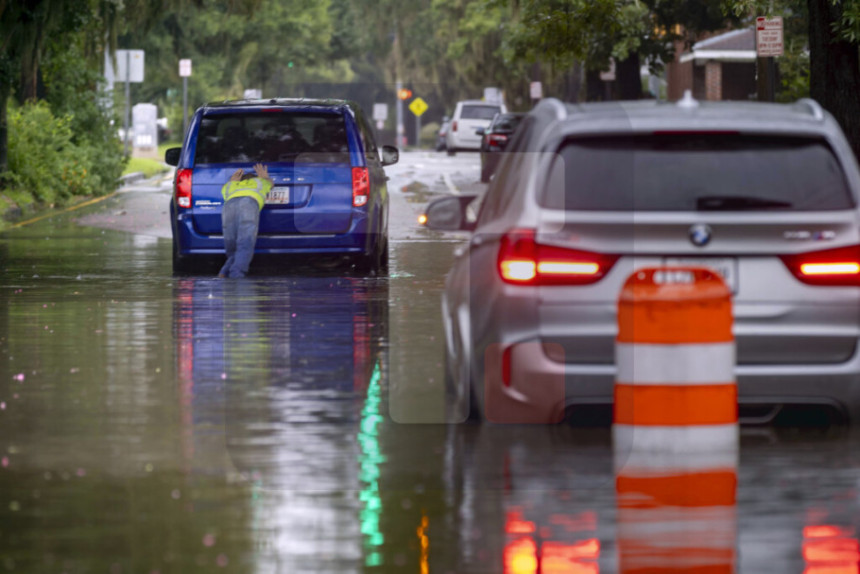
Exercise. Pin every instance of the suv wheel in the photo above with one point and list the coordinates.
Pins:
(451, 151)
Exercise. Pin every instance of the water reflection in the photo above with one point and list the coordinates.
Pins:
(284, 377)
(830, 549)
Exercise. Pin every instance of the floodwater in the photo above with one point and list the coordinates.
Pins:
(291, 423)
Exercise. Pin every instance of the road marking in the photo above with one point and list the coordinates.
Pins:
(450, 184)
(55, 213)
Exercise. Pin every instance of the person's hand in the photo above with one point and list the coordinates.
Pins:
(262, 171)
(237, 175)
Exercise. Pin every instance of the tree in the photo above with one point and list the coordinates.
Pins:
(593, 31)
(834, 61)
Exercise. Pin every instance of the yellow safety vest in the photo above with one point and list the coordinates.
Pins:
(255, 187)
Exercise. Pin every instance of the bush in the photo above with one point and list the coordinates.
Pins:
(74, 91)
(42, 159)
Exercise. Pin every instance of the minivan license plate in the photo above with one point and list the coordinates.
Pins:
(727, 267)
(278, 196)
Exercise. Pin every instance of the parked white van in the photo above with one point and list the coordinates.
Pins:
(469, 116)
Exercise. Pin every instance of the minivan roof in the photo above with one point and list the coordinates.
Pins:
(285, 102)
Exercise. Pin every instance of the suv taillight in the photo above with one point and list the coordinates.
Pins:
(453, 126)
(830, 267)
(523, 261)
(182, 188)
(360, 186)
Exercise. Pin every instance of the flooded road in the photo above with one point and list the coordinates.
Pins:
(291, 423)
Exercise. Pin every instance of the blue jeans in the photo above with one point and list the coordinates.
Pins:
(240, 218)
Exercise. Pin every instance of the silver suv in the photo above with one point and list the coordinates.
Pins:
(766, 194)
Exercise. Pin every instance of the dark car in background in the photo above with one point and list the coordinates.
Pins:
(494, 139)
(442, 134)
(329, 197)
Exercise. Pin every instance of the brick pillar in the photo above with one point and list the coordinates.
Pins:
(713, 80)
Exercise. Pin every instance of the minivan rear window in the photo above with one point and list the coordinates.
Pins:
(479, 112)
(690, 172)
(272, 136)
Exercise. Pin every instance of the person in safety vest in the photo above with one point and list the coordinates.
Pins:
(244, 197)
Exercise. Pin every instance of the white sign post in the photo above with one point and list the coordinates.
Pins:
(769, 37)
(184, 72)
(380, 114)
(769, 44)
(129, 64)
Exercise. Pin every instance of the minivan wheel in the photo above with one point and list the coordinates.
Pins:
(181, 265)
(376, 263)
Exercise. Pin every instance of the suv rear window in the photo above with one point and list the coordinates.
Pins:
(684, 172)
(479, 112)
(270, 137)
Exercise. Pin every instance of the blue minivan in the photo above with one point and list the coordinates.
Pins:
(329, 198)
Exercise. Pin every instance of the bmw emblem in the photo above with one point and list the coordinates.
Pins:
(700, 235)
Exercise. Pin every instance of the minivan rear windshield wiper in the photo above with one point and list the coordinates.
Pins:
(731, 202)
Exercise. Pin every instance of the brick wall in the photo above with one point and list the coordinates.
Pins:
(714, 81)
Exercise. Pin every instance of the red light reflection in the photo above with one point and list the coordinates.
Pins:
(525, 555)
(829, 549)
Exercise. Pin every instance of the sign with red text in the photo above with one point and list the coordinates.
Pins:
(768, 37)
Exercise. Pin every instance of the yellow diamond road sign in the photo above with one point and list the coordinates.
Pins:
(418, 107)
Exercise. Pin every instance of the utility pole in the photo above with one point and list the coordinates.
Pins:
(127, 96)
(398, 85)
(184, 71)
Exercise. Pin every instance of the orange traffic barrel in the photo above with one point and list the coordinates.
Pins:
(675, 389)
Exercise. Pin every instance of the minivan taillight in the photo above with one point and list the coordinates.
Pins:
(524, 261)
(453, 126)
(830, 267)
(360, 186)
(182, 188)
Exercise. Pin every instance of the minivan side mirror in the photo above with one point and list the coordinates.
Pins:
(390, 155)
(171, 156)
(449, 213)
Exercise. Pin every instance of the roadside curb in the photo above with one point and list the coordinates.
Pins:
(130, 178)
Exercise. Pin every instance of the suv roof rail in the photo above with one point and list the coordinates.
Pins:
(551, 106)
(814, 107)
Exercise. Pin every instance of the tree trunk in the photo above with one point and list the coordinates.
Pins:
(629, 78)
(5, 91)
(834, 70)
(593, 86)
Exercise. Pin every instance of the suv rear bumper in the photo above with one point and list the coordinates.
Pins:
(535, 377)
(190, 242)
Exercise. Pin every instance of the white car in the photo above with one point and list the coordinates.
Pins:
(469, 116)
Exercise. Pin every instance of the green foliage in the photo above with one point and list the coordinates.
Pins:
(794, 72)
(74, 91)
(42, 157)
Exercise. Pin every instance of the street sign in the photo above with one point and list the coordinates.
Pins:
(380, 124)
(536, 90)
(184, 68)
(492, 95)
(129, 66)
(769, 37)
(418, 107)
(380, 112)
(252, 94)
